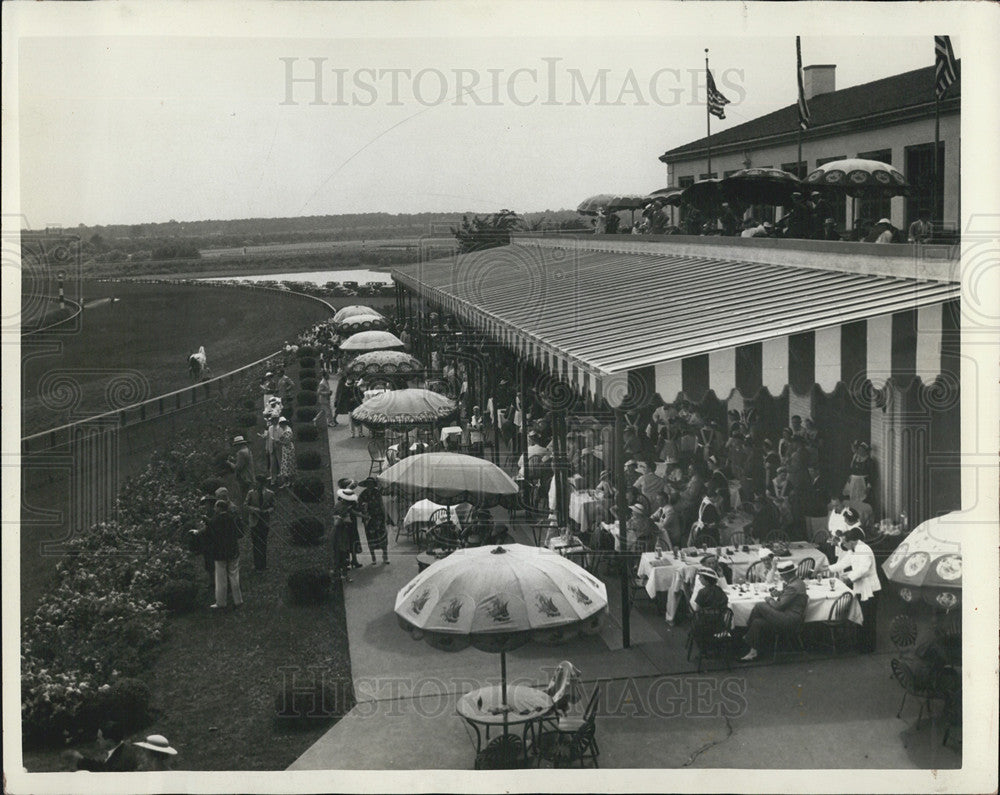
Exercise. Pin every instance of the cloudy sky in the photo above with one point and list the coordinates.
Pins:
(131, 118)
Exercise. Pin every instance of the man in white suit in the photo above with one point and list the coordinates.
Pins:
(860, 572)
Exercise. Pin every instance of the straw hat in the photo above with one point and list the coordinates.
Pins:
(347, 495)
(704, 571)
(786, 567)
(157, 743)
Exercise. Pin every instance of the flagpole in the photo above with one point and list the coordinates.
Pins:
(937, 145)
(708, 117)
(798, 77)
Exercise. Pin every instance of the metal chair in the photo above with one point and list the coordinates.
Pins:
(706, 538)
(738, 539)
(903, 632)
(712, 633)
(574, 740)
(913, 686)
(838, 617)
(792, 633)
(377, 451)
(805, 568)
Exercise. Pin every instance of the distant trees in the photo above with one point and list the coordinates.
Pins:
(486, 231)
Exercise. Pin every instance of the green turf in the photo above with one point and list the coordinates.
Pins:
(145, 338)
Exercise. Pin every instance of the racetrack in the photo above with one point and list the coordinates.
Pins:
(137, 347)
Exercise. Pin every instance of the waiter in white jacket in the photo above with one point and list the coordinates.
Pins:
(858, 570)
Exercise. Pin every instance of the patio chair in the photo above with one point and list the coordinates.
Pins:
(838, 619)
(916, 686)
(712, 633)
(738, 539)
(573, 739)
(903, 632)
(706, 538)
(377, 452)
(636, 584)
(756, 572)
(821, 536)
(805, 568)
(788, 635)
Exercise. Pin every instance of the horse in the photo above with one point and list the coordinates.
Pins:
(198, 365)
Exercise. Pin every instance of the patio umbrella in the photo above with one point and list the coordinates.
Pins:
(859, 178)
(400, 407)
(384, 363)
(356, 323)
(761, 186)
(928, 564)
(704, 195)
(498, 599)
(591, 205)
(448, 478)
(371, 341)
(351, 311)
(671, 196)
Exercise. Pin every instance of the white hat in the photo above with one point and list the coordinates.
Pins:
(765, 553)
(885, 221)
(239, 440)
(158, 743)
(347, 495)
(704, 571)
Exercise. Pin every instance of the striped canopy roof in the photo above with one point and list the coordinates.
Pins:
(608, 312)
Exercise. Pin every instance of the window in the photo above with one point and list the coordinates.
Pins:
(798, 169)
(713, 175)
(919, 161)
(874, 208)
(837, 205)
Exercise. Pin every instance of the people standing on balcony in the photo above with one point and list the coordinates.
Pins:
(921, 230)
(730, 220)
(820, 211)
(830, 231)
(795, 224)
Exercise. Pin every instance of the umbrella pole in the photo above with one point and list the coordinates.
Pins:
(503, 688)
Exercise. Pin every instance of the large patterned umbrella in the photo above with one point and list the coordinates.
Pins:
(351, 311)
(859, 178)
(761, 186)
(498, 599)
(356, 323)
(404, 407)
(384, 363)
(371, 341)
(928, 563)
(449, 478)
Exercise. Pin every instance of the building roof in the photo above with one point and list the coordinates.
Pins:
(610, 312)
(856, 103)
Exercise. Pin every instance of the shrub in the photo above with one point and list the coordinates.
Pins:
(308, 459)
(306, 433)
(246, 420)
(307, 373)
(308, 488)
(307, 385)
(306, 531)
(306, 352)
(307, 363)
(306, 413)
(309, 586)
(180, 596)
(310, 700)
(306, 398)
(125, 704)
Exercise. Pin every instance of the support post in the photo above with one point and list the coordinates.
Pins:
(622, 508)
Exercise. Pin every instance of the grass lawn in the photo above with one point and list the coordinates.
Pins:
(145, 338)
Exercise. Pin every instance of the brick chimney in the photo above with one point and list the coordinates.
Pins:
(819, 79)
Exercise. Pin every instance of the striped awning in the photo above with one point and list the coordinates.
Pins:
(592, 316)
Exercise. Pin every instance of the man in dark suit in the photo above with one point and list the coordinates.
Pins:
(779, 611)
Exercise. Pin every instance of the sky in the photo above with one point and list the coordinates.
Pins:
(137, 127)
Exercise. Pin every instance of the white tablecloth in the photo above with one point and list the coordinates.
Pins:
(370, 393)
(420, 513)
(740, 561)
(451, 430)
(821, 598)
(670, 576)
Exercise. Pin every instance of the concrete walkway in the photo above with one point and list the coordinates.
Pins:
(654, 710)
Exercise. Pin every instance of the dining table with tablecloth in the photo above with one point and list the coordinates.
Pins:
(669, 578)
(822, 594)
(739, 560)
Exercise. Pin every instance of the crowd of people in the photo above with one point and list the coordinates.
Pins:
(807, 217)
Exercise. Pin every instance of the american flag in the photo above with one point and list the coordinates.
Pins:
(945, 67)
(716, 101)
(804, 119)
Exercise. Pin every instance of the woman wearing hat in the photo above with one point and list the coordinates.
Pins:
(347, 540)
(640, 530)
(882, 232)
(286, 453)
(373, 515)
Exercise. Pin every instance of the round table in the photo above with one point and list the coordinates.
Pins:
(526, 706)
(425, 559)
